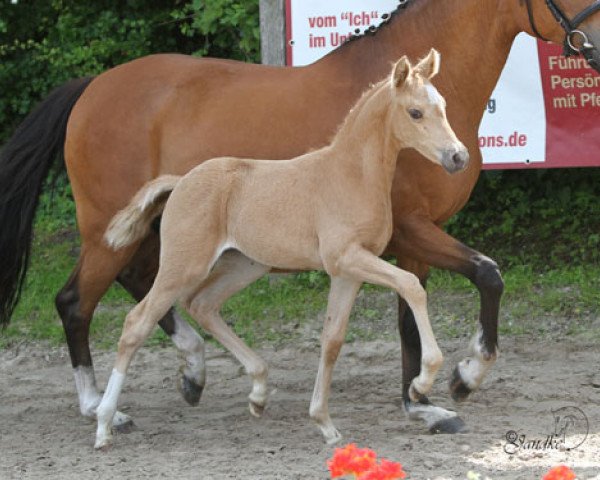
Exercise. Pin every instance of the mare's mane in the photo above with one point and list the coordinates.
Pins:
(387, 18)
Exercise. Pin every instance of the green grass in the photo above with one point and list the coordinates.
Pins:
(552, 303)
(279, 309)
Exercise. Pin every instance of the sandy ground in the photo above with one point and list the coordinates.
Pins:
(43, 435)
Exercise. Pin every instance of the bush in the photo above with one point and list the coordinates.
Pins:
(537, 217)
(47, 42)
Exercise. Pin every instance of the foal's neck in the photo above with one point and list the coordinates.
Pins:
(365, 142)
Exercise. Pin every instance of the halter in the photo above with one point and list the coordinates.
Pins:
(587, 49)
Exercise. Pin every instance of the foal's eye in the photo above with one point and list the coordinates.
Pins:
(415, 114)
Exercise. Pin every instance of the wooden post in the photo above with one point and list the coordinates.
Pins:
(272, 32)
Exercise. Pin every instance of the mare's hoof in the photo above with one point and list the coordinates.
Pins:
(256, 410)
(190, 390)
(122, 423)
(449, 425)
(458, 388)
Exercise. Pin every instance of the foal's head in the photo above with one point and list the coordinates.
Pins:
(419, 114)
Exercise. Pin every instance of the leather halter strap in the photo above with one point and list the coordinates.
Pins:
(569, 26)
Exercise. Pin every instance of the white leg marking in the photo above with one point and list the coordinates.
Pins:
(430, 414)
(258, 396)
(191, 345)
(89, 397)
(107, 409)
(473, 369)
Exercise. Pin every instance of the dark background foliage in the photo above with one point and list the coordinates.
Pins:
(543, 217)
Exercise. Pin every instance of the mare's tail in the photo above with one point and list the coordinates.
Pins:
(133, 222)
(25, 161)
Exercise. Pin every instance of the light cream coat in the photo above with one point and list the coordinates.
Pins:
(230, 220)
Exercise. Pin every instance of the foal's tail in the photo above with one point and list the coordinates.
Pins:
(133, 222)
(25, 161)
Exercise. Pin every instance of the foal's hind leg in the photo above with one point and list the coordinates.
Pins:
(341, 299)
(233, 272)
(137, 279)
(184, 266)
(138, 326)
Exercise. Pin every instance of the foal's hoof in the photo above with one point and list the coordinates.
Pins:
(103, 444)
(190, 390)
(417, 396)
(449, 425)
(256, 410)
(122, 423)
(458, 388)
(334, 438)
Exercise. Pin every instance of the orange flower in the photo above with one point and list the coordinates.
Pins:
(351, 460)
(562, 472)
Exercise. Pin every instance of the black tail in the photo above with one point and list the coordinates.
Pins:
(24, 164)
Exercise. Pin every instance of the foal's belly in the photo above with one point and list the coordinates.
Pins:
(291, 253)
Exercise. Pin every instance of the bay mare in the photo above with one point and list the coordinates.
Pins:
(329, 210)
(164, 114)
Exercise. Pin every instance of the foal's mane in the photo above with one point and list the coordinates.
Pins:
(359, 106)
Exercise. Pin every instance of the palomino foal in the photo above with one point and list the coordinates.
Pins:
(329, 209)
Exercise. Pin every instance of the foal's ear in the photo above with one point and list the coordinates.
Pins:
(402, 71)
(430, 65)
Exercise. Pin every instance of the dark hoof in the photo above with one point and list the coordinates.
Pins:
(458, 389)
(126, 427)
(423, 401)
(190, 390)
(449, 425)
(417, 396)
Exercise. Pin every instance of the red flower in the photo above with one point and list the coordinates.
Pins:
(351, 460)
(362, 464)
(386, 470)
(562, 472)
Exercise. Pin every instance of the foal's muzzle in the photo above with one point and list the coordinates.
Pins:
(455, 160)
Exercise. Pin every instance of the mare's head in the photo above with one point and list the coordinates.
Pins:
(418, 114)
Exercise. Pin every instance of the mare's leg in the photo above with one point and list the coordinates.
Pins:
(96, 269)
(137, 279)
(341, 299)
(363, 266)
(233, 272)
(420, 239)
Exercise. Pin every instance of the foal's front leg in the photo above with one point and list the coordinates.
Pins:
(418, 238)
(341, 298)
(364, 266)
